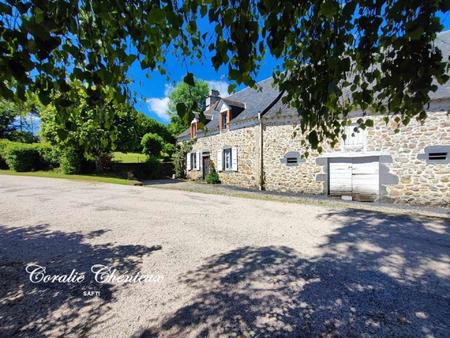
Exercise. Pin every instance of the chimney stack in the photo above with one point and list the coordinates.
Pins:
(212, 98)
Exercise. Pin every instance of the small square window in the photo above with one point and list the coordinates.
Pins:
(441, 156)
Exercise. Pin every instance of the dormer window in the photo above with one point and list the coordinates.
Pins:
(223, 117)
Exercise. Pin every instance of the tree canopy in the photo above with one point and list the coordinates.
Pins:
(92, 130)
(192, 97)
(380, 53)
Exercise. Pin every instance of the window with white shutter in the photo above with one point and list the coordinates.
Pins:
(219, 160)
(197, 154)
(188, 161)
(234, 159)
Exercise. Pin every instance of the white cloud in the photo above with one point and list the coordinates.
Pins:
(221, 86)
(160, 106)
(167, 89)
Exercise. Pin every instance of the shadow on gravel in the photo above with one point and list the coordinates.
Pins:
(43, 309)
(379, 275)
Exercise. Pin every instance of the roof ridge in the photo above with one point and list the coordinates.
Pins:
(247, 87)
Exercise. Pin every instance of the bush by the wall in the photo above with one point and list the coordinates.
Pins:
(179, 159)
(70, 162)
(213, 177)
(21, 156)
(153, 165)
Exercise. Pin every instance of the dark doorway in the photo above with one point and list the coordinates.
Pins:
(205, 166)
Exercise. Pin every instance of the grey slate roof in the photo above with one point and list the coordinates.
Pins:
(257, 100)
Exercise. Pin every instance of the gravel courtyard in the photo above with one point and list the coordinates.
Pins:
(225, 265)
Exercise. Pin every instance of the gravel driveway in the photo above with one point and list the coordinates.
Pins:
(220, 265)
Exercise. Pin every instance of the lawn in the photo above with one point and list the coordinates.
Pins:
(129, 157)
(90, 177)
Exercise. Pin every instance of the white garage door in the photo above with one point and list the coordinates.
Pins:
(358, 177)
(340, 176)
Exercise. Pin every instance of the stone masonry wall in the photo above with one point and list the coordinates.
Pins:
(279, 139)
(419, 182)
(246, 140)
(410, 178)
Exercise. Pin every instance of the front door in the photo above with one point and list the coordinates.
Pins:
(205, 166)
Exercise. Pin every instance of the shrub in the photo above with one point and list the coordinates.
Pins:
(21, 156)
(152, 144)
(169, 149)
(50, 156)
(213, 177)
(3, 144)
(23, 136)
(154, 166)
(70, 161)
(179, 159)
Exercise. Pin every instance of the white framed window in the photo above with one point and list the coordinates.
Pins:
(228, 159)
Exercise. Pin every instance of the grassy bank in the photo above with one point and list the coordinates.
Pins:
(104, 178)
(129, 157)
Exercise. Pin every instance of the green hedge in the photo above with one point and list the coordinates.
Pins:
(3, 144)
(21, 156)
(28, 156)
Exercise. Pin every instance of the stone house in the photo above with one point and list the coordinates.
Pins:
(249, 139)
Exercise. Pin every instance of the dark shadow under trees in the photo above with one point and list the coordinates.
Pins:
(379, 275)
(37, 310)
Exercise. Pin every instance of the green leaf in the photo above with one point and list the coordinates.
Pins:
(329, 8)
(231, 88)
(62, 134)
(369, 123)
(181, 109)
(313, 139)
(189, 79)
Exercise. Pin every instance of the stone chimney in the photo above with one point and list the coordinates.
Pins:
(193, 129)
(212, 98)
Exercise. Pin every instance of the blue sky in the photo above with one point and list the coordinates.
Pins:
(152, 92)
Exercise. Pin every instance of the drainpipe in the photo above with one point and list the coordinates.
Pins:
(261, 152)
(261, 139)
